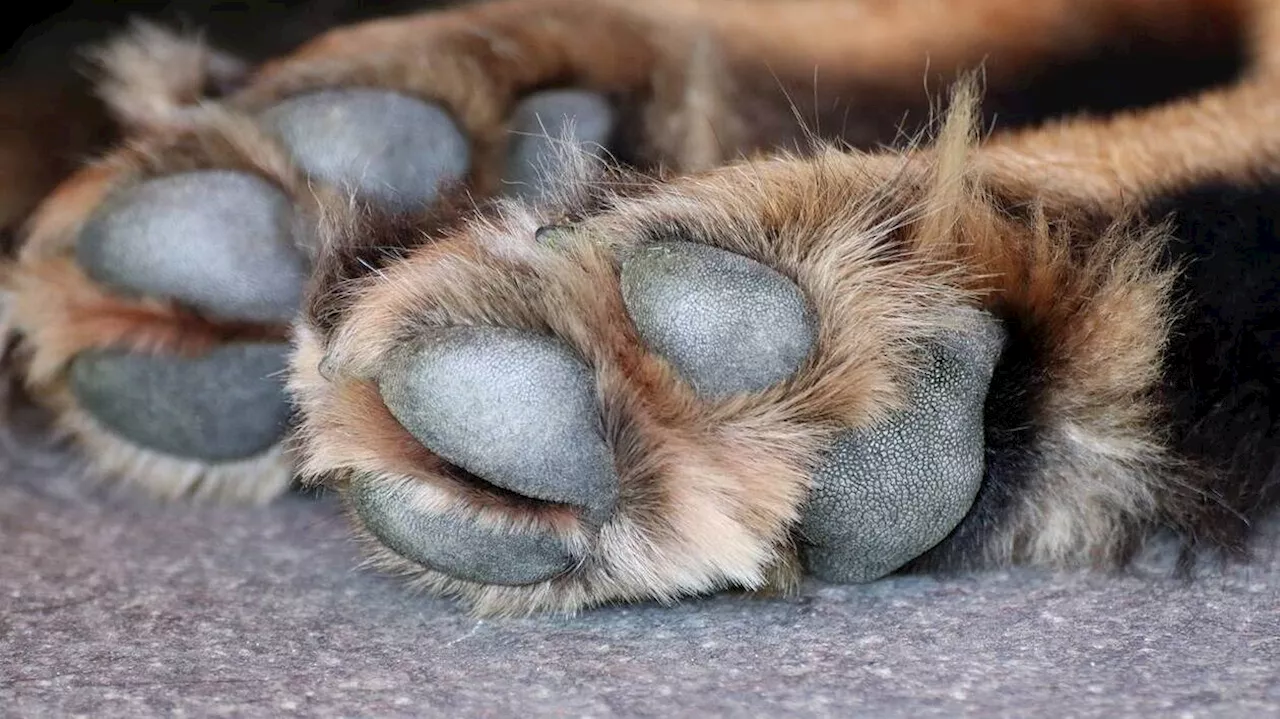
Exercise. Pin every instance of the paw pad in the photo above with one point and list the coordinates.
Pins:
(514, 408)
(888, 493)
(226, 405)
(728, 323)
(460, 546)
(392, 148)
(218, 241)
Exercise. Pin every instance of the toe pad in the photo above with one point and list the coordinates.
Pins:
(512, 407)
(218, 241)
(227, 405)
(458, 546)
(728, 323)
(392, 148)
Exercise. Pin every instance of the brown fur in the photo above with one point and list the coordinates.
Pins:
(889, 246)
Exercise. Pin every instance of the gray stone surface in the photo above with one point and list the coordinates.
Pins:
(228, 404)
(728, 323)
(515, 408)
(888, 493)
(541, 125)
(116, 607)
(392, 148)
(219, 241)
(458, 546)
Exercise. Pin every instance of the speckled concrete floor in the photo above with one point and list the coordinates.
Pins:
(113, 606)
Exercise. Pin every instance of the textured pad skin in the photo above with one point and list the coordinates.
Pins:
(458, 546)
(226, 405)
(887, 494)
(728, 323)
(391, 148)
(215, 240)
(515, 408)
(541, 124)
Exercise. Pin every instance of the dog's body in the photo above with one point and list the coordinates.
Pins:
(1121, 379)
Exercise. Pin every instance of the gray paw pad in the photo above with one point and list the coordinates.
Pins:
(728, 323)
(394, 149)
(544, 122)
(887, 494)
(457, 546)
(515, 408)
(217, 241)
(226, 405)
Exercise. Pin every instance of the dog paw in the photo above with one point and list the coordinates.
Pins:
(657, 400)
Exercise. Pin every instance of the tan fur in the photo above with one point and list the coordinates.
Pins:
(63, 313)
(154, 80)
(1105, 314)
(1106, 318)
(1117, 162)
(890, 247)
